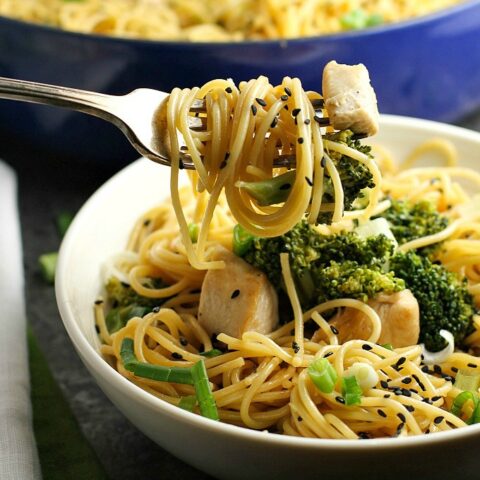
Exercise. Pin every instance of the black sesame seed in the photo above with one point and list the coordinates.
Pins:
(183, 341)
(437, 369)
(340, 400)
(419, 383)
(471, 365)
(387, 395)
(296, 347)
(363, 435)
(334, 330)
(398, 391)
(366, 346)
(284, 98)
(306, 121)
(410, 408)
(381, 413)
(288, 91)
(97, 328)
(235, 293)
(156, 309)
(436, 398)
(181, 166)
(223, 164)
(328, 354)
(286, 107)
(176, 356)
(296, 111)
(227, 156)
(447, 378)
(98, 302)
(406, 380)
(146, 222)
(300, 419)
(323, 162)
(414, 391)
(274, 122)
(425, 369)
(261, 102)
(427, 400)
(427, 431)
(383, 384)
(400, 428)
(406, 392)
(300, 140)
(401, 416)
(229, 90)
(285, 186)
(254, 110)
(438, 420)
(309, 181)
(401, 361)
(454, 369)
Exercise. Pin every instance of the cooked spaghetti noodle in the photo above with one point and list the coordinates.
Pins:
(216, 21)
(246, 129)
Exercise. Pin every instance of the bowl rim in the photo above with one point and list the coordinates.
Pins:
(93, 358)
(283, 42)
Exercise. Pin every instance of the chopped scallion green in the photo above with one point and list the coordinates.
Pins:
(460, 400)
(214, 352)
(323, 375)
(241, 240)
(388, 346)
(63, 221)
(206, 402)
(195, 375)
(351, 391)
(188, 403)
(48, 264)
(193, 230)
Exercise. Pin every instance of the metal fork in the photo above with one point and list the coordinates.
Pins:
(140, 114)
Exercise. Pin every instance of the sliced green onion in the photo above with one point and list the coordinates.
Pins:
(374, 20)
(188, 403)
(460, 400)
(164, 374)
(48, 264)
(323, 375)
(63, 221)
(153, 372)
(193, 230)
(214, 352)
(127, 354)
(195, 375)
(272, 191)
(359, 18)
(242, 240)
(388, 346)
(466, 381)
(206, 402)
(351, 391)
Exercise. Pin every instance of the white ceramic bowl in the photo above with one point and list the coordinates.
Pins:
(100, 229)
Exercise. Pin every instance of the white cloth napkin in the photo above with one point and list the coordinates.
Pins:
(18, 452)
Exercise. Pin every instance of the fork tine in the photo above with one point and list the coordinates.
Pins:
(199, 105)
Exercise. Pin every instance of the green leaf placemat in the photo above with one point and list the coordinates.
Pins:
(63, 450)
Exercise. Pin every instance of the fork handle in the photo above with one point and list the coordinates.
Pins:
(82, 100)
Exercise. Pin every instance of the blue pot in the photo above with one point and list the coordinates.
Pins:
(428, 67)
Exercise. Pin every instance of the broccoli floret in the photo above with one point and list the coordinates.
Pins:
(354, 177)
(411, 221)
(318, 261)
(127, 303)
(351, 280)
(443, 299)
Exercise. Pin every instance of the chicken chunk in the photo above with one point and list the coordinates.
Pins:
(237, 299)
(398, 313)
(350, 100)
